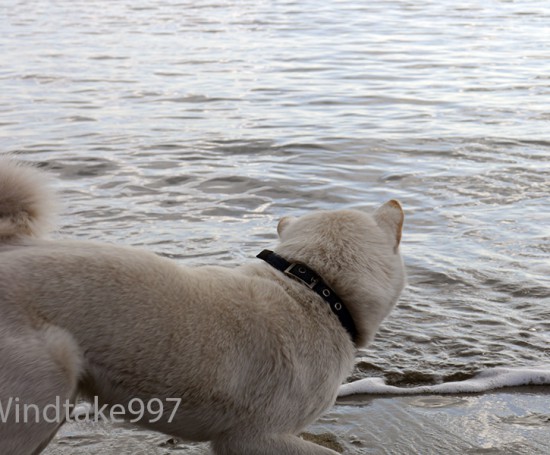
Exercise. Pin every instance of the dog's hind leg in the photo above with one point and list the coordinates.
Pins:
(39, 372)
(285, 444)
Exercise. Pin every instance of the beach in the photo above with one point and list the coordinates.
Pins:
(508, 421)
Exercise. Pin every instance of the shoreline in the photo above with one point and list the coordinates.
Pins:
(513, 420)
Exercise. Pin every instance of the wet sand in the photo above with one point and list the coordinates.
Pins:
(507, 421)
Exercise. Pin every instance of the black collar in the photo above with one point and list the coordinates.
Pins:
(313, 281)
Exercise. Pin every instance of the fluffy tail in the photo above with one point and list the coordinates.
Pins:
(27, 202)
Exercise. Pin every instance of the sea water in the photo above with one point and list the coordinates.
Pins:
(190, 128)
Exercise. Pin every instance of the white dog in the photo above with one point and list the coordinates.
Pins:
(243, 357)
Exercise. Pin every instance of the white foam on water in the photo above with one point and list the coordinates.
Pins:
(490, 379)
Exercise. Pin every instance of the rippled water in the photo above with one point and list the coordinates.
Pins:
(191, 127)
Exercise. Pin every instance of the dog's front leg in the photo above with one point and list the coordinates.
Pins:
(285, 444)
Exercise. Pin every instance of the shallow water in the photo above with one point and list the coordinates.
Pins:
(504, 422)
(182, 126)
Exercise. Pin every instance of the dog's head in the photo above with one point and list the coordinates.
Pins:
(356, 253)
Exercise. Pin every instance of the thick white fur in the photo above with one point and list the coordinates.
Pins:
(254, 355)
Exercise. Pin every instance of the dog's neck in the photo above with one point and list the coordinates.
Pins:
(308, 277)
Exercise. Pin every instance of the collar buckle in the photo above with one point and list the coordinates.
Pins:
(302, 273)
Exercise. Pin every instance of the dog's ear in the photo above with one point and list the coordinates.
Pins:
(390, 217)
(283, 223)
